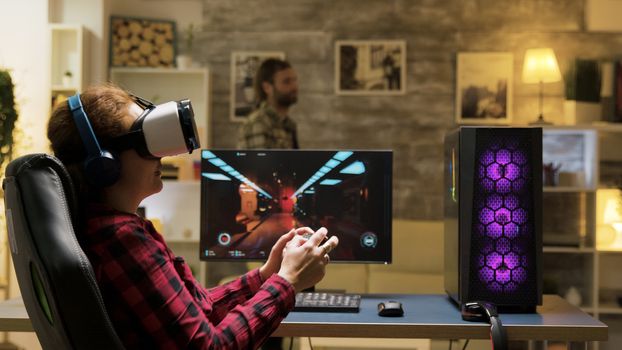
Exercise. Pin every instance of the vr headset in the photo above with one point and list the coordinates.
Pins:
(162, 130)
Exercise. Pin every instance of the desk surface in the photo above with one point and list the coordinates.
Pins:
(436, 317)
(425, 316)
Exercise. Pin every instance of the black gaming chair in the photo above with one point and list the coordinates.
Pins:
(54, 275)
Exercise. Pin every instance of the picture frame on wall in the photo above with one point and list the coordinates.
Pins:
(484, 87)
(370, 67)
(142, 42)
(244, 65)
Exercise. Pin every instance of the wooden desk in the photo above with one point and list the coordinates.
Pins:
(436, 317)
(426, 316)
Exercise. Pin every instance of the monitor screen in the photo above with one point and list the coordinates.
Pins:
(249, 198)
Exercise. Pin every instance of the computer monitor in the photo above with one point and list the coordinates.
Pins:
(249, 198)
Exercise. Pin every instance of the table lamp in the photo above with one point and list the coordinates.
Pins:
(540, 66)
(610, 229)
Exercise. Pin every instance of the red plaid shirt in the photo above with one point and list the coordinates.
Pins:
(154, 302)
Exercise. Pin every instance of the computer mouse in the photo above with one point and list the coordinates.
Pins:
(390, 309)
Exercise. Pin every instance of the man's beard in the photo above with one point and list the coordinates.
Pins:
(286, 100)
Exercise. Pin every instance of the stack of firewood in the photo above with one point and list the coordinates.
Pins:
(142, 43)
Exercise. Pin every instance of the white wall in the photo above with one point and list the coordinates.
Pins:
(24, 50)
(91, 15)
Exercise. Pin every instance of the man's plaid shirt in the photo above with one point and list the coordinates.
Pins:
(266, 129)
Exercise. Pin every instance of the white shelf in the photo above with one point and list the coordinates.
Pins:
(609, 308)
(64, 88)
(166, 84)
(148, 70)
(570, 250)
(609, 251)
(67, 51)
(567, 189)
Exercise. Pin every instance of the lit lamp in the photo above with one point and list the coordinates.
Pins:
(609, 220)
(540, 66)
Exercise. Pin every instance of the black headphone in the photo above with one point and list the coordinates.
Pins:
(101, 167)
(478, 311)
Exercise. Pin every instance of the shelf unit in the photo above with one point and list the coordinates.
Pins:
(176, 207)
(176, 210)
(68, 44)
(574, 218)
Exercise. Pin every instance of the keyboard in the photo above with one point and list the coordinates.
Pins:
(327, 302)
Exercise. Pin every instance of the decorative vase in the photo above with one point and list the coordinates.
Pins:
(573, 296)
(184, 61)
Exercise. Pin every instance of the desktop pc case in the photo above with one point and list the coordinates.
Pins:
(493, 216)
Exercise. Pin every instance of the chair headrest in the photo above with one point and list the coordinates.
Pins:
(42, 161)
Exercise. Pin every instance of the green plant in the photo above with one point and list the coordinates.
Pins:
(8, 116)
(189, 38)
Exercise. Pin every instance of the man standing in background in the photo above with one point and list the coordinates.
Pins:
(269, 126)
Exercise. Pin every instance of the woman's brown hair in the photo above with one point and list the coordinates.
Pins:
(107, 108)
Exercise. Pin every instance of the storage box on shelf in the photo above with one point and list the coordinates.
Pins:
(68, 44)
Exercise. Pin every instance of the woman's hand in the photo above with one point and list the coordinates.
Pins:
(304, 261)
(273, 264)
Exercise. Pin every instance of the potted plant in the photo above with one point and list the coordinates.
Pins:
(184, 59)
(8, 117)
(67, 78)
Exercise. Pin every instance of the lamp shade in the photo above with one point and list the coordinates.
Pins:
(540, 65)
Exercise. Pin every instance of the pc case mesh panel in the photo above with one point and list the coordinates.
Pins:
(502, 241)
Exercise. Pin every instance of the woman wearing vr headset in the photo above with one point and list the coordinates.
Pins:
(112, 143)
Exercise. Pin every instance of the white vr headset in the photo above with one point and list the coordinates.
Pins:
(162, 130)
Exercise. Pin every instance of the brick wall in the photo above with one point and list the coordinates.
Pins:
(413, 124)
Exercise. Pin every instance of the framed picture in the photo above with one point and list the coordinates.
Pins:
(244, 65)
(370, 67)
(142, 42)
(484, 88)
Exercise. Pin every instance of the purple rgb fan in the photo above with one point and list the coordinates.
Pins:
(502, 174)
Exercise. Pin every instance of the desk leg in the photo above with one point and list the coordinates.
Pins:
(577, 345)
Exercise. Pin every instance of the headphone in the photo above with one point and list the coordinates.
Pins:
(101, 167)
(478, 311)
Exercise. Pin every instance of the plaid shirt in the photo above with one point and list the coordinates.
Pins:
(264, 128)
(154, 302)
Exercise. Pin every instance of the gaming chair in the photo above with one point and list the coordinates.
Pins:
(55, 277)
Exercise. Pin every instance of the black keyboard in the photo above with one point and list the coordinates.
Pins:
(327, 302)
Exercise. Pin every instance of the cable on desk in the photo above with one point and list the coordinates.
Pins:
(463, 347)
(291, 343)
(310, 345)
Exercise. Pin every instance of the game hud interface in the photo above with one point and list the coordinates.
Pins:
(249, 198)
